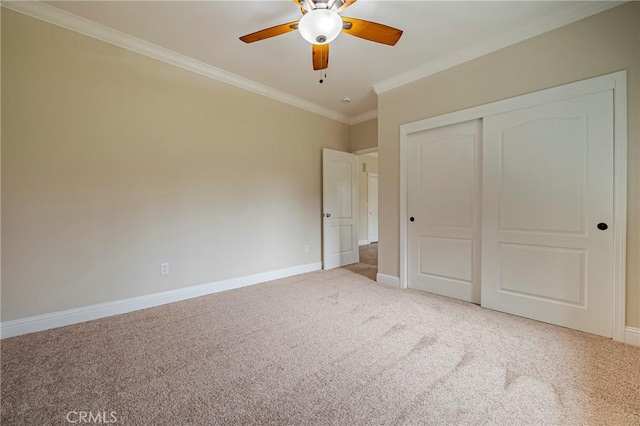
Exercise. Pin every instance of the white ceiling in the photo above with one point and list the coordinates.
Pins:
(208, 31)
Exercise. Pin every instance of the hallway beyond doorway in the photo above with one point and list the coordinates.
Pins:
(369, 254)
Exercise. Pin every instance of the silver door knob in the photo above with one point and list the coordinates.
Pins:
(327, 214)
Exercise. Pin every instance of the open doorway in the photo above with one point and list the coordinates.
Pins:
(368, 207)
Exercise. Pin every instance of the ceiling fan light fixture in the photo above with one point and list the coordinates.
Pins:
(320, 26)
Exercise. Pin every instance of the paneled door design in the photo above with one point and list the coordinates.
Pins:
(443, 205)
(547, 240)
(340, 206)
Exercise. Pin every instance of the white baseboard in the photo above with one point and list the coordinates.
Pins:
(88, 313)
(363, 242)
(389, 280)
(632, 336)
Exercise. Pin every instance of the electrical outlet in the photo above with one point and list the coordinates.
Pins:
(164, 268)
(306, 248)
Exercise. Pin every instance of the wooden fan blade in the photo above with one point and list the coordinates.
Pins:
(270, 32)
(371, 31)
(345, 5)
(320, 56)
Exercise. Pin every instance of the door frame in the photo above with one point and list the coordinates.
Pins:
(369, 176)
(359, 153)
(617, 82)
(366, 151)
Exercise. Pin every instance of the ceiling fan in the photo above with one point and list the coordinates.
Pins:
(320, 25)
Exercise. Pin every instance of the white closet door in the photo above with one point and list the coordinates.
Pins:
(547, 240)
(443, 208)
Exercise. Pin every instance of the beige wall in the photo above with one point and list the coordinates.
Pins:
(113, 162)
(598, 45)
(364, 135)
(363, 193)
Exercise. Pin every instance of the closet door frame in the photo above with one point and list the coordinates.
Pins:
(615, 81)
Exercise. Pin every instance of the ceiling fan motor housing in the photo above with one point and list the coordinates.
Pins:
(326, 4)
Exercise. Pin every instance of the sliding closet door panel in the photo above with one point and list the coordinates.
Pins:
(443, 208)
(547, 248)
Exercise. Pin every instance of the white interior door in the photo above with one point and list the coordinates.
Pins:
(372, 208)
(340, 205)
(444, 207)
(547, 240)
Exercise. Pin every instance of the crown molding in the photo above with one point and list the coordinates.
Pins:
(365, 116)
(47, 13)
(494, 44)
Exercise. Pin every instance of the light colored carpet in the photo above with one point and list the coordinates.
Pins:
(321, 348)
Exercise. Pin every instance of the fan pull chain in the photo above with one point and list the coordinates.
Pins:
(321, 80)
(322, 70)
